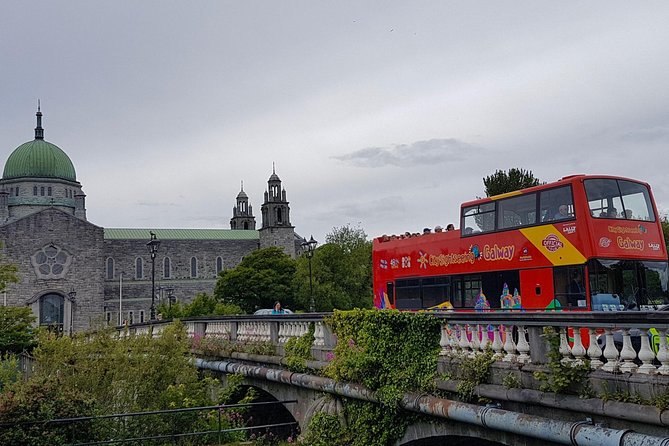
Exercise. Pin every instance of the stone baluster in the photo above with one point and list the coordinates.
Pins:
(497, 345)
(610, 353)
(464, 342)
(646, 355)
(453, 339)
(319, 334)
(577, 350)
(265, 332)
(564, 347)
(485, 340)
(444, 341)
(663, 352)
(628, 354)
(594, 351)
(509, 345)
(475, 342)
(523, 346)
(282, 332)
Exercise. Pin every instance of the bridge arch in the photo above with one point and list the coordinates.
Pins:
(454, 433)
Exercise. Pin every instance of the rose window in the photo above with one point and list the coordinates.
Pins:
(51, 262)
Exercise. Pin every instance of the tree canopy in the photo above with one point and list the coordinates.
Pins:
(502, 182)
(16, 329)
(261, 278)
(341, 272)
(203, 305)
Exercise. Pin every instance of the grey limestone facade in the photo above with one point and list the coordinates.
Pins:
(74, 274)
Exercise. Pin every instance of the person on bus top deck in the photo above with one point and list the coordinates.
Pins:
(575, 292)
(612, 213)
(438, 229)
(427, 231)
(562, 213)
(450, 227)
(277, 308)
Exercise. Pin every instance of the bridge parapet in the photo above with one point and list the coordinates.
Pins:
(613, 342)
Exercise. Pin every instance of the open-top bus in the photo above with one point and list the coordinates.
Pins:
(583, 242)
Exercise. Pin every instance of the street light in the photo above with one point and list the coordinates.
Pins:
(309, 248)
(72, 295)
(153, 245)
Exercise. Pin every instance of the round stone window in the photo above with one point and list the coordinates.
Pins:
(51, 262)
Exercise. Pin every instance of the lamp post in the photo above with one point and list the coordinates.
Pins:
(309, 248)
(72, 295)
(153, 245)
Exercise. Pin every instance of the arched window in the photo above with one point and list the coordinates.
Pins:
(49, 191)
(193, 267)
(110, 268)
(141, 316)
(139, 268)
(41, 191)
(219, 265)
(51, 311)
(246, 225)
(35, 190)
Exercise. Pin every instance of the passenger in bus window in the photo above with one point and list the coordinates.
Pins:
(628, 214)
(562, 213)
(612, 213)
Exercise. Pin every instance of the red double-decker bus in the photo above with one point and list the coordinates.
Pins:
(584, 242)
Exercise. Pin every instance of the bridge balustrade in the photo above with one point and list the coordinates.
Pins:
(625, 342)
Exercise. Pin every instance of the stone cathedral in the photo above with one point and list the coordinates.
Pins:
(73, 273)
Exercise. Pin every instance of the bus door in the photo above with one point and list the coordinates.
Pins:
(536, 288)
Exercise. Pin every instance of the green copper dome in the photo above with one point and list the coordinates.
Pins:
(39, 158)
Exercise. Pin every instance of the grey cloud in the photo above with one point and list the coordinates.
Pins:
(430, 152)
(156, 204)
(652, 134)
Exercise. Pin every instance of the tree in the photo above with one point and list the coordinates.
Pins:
(16, 329)
(342, 272)
(261, 278)
(7, 273)
(665, 229)
(203, 305)
(502, 182)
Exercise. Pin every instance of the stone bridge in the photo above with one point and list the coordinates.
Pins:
(628, 385)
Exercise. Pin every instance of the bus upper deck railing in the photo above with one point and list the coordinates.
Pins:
(616, 342)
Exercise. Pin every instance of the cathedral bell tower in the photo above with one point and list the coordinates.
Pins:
(242, 214)
(276, 228)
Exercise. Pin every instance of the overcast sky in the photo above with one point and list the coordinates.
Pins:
(382, 114)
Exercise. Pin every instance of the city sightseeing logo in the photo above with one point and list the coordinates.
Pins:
(552, 243)
(604, 242)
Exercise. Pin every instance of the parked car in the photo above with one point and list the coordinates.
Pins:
(268, 312)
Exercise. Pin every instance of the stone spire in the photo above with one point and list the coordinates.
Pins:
(39, 131)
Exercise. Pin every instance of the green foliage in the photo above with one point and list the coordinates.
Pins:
(40, 399)
(125, 374)
(262, 277)
(326, 430)
(472, 372)
(203, 305)
(7, 273)
(298, 351)
(9, 370)
(563, 377)
(389, 352)
(511, 381)
(341, 272)
(502, 182)
(16, 329)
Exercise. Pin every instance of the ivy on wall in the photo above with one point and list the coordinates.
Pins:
(388, 352)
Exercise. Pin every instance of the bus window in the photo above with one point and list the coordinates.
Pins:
(569, 286)
(517, 211)
(551, 200)
(480, 218)
(435, 290)
(466, 290)
(609, 198)
(407, 294)
(636, 201)
(390, 289)
(633, 282)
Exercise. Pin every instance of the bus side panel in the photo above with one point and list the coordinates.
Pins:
(536, 288)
